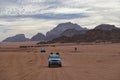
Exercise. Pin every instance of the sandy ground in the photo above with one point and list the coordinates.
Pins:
(90, 62)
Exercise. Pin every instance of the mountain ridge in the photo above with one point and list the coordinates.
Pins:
(16, 38)
(63, 29)
(60, 28)
(38, 37)
(105, 27)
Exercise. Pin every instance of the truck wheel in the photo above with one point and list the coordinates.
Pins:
(60, 65)
(49, 65)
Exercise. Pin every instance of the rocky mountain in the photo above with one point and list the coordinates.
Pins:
(60, 28)
(38, 37)
(94, 35)
(16, 38)
(72, 32)
(106, 27)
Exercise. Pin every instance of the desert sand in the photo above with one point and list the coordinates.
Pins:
(89, 62)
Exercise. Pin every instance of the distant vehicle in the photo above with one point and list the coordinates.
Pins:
(43, 50)
(54, 59)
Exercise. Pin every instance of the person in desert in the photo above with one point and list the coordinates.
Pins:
(75, 48)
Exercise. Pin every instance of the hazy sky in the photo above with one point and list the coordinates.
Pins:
(32, 16)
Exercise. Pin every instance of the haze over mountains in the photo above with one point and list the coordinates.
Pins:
(64, 30)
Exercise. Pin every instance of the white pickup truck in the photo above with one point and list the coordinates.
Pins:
(43, 50)
(54, 59)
